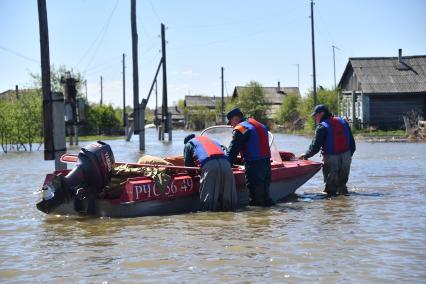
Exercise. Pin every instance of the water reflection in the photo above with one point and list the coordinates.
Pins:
(339, 210)
(380, 227)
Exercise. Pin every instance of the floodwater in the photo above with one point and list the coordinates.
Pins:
(375, 235)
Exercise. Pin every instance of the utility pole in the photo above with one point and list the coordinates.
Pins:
(313, 54)
(223, 100)
(102, 96)
(124, 96)
(334, 65)
(156, 105)
(334, 71)
(166, 117)
(136, 106)
(298, 78)
(53, 118)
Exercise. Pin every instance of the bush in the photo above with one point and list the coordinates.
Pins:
(101, 119)
(252, 102)
(198, 117)
(21, 120)
(289, 110)
(327, 97)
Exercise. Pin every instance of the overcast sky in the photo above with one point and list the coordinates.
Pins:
(264, 41)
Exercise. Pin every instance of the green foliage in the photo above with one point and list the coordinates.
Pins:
(21, 120)
(199, 115)
(327, 97)
(102, 119)
(252, 102)
(289, 110)
(149, 115)
(181, 105)
(55, 79)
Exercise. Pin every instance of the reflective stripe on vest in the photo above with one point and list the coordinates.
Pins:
(257, 146)
(337, 140)
(206, 148)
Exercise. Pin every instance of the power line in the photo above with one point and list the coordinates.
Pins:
(153, 10)
(115, 58)
(226, 88)
(19, 54)
(105, 67)
(240, 36)
(99, 38)
(322, 22)
(229, 23)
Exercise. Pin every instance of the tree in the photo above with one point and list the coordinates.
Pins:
(55, 79)
(199, 115)
(20, 120)
(29, 117)
(324, 96)
(252, 103)
(289, 110)
(102, 119)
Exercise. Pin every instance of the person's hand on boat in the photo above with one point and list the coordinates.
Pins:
(193, 173)
(224, 148)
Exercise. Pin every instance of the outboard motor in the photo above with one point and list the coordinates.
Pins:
(92, 173)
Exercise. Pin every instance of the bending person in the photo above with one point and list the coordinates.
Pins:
(217, 184)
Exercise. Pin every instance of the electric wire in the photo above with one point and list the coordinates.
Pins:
(154, 11)
(240, 36)
(99, 39)
(19, 54)
(233, 23)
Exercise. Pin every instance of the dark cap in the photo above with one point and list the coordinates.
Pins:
(187, 138)
(320, 108)
(232, 113)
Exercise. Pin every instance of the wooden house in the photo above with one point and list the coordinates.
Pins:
(193, 103)
(178, 117)
(273, 95)
(378, 91)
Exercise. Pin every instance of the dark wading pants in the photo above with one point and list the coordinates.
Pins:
(217, 186)
(336, 172)
(258, 179)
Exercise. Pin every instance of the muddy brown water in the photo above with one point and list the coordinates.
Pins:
(375, 235)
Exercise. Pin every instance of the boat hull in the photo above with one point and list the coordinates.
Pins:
(141, 197)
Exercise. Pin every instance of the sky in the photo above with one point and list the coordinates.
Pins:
(265, 41)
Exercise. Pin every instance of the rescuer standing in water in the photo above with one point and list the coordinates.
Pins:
(334, 137)
(250, 139)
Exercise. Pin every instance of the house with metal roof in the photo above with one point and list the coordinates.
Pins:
(273, 95)
(177, 116)
(193, 103)
(378, 91)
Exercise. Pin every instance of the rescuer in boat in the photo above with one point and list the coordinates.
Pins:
(217, 184)
(250, 138)
(333, 135)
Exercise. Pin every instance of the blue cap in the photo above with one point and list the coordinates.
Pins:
(232, 113)
(187, 138)
(320, 108)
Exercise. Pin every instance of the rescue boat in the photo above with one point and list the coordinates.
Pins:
(82, 190)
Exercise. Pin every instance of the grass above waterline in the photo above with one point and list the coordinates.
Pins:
(98, 137)
(358, 132)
